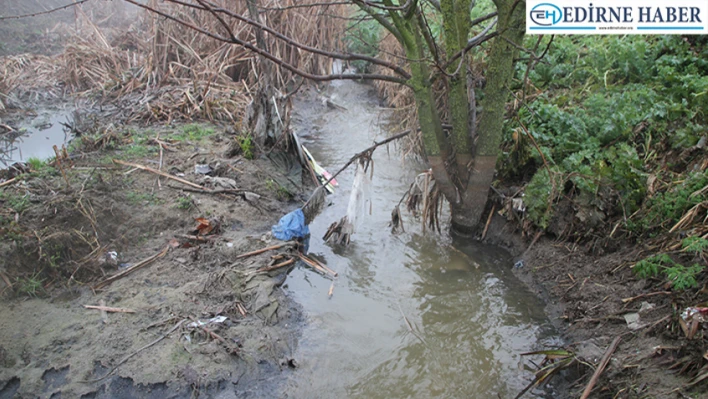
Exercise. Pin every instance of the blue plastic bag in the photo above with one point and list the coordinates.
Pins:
(290, 226)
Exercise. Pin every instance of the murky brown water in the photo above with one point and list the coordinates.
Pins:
(472, 318)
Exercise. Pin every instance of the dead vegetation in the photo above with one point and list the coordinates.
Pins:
(156, 70)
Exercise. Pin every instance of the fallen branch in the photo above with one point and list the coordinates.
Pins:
(266, 249)
(601, 367)
(125, 359)
(131, 269)
(163, 174)
(630, 299)
(109, 309)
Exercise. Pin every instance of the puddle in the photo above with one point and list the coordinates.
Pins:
(35, 137)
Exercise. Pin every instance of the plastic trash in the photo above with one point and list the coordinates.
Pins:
(291, 226)
(519, 264)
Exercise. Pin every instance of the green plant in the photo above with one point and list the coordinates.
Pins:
(245, 142)
(680, 276)
(30, 286)
(18, 203)
(36, 164)
(193, 132)
(142, 198)
(184, 203)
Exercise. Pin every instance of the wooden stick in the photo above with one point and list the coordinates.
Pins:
(317, 266)
(131, 269)
(630, 299)
(489, 220)
(266, 249)
(331, 289)
(109, 309)
(163, 174)
(601, 367)
(277, 266)
(8, 182)
(321, 265)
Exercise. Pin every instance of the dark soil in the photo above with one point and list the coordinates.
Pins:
(589, 291)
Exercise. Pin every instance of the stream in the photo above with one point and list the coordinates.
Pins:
(471, 318)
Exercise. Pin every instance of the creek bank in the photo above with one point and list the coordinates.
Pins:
(60, 227)
(592, 298)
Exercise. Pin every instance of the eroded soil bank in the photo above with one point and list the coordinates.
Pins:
(593, 297)
(66, 229)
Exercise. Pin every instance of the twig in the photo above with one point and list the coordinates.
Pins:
(131, 269)
(601, 367)
(630, 299)
(266, 249)
(366, 152)
(109, 309)
(76, 3)
(8, 182)
(163, 174)
(125, 359)
(317, 265)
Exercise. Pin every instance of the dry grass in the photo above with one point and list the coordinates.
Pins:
(158, 70)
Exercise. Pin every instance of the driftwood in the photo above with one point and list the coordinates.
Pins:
(318, 266)
(131, 269)
(601, 367)
(634, 298)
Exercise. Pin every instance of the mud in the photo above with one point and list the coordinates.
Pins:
(583, 288)
(51, 346)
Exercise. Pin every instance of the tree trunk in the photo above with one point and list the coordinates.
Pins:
(468, 213)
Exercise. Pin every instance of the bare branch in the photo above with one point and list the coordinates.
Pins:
(267, 55)
(475, 41)
(311, 5)
(345, 57)
(380, 19)
(76, 3)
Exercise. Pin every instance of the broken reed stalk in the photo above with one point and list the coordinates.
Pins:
(366, 152)
(601, 367)
(277, 265)
(131, 269)
(266, 249)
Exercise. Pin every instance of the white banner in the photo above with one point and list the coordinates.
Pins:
(605, 17)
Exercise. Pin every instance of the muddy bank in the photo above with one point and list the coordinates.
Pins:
(592, 297)
(66, 229)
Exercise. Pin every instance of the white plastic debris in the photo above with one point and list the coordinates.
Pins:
(213, 320)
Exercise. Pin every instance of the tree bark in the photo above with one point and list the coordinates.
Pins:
(467, 215)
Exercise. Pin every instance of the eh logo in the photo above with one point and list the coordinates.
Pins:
(546, 14)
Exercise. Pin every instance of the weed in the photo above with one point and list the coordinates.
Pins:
(138, 151)
(281, 192)
(245, 142)
(193, 132)
(137, 198)
(36, 164)
(30, 286)
(184, 203)
(18, 203)
(680, 276)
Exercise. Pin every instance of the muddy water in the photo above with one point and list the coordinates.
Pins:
(36, 138)
(470, 317)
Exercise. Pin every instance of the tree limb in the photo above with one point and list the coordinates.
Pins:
(76, 3)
